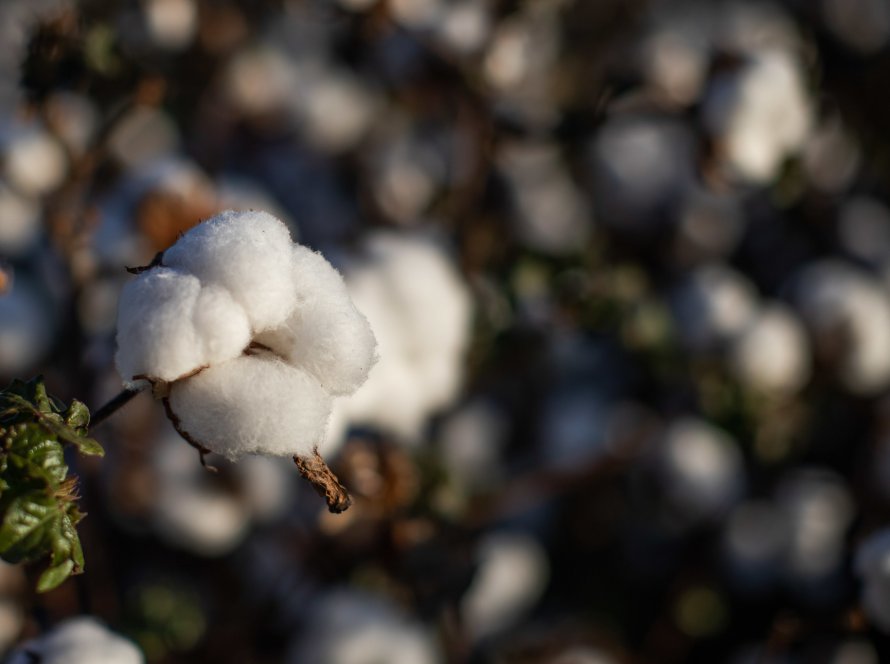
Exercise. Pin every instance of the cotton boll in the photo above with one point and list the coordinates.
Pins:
(675, 63)
(74, 119)
(551, 213)
(79, 640)
(171, 23)
(259, 80)
(405, 175)
(831, 157)
(168, 326)
(189, 511)
(416, 14)
(26, 328)
(336, 110)
(35, 162)
(712, 306)
(253, 405)
(760, 115)
(12, 621)
(754, 543)
(708, 228)
(470, 443)
(701, 469)
(266, 486)
(351, 628)
(512, 575)
(21, 222)
(640, 165)
(143, 135)
(772, 353)
(580, 655)
(325, 335)
(419, 310)
(864, 229)
(863, 25)
(848, 315)
(855, 651)
(872, 564)
(249, 254)
(818, 509)
(464, 26)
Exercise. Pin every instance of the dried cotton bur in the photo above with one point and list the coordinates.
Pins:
(246, 337)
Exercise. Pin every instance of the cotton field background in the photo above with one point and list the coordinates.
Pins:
(628, 268)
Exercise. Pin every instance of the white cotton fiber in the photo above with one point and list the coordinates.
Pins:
(168, 326)
(80, 640)
(253, 404)
(154, 334)
(249, 254)
(325, 335)
(419, 309)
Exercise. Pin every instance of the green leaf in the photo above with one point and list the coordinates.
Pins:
(78, 417)
(37, 495)
(53, 576)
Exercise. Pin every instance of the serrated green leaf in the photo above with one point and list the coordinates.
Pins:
(28, 527)
(53, 576)
(33, 453)
(78, 417)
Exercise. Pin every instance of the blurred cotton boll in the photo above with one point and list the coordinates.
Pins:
(471, 441)
(864, 229)
(74, 118)
(747, 27)
(143, 135)
(754, 542)
(20, 226)
(464, 26)
(675, 62)
(349, 627)
(259, 79)
(772, 353)
(416, 14)
(27, 327)
(335, 108)
(420, 309)
(34, 161)
(862, 25)
(856, 651)
(759, 114)
(831, 157)
(712, 306)
(640, 166)
(171, 23)
(848, 315)
(872, 565)
(190, 511)
(708, 228)
(700, 469)
(512, 575)
(551, 214)
(818, 510)
(80, 640)
(405, 172)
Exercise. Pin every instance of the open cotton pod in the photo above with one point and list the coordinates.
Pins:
(246, 337)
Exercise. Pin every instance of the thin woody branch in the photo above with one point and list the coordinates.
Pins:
(326, 484)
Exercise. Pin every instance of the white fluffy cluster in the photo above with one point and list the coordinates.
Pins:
(848, 315)
(79, 640)
(420, 310)
(760, 114)
(254, 335)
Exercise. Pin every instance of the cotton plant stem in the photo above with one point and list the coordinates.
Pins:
(110, 408)
(316, 471)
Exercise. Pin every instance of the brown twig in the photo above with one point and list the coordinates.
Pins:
(324, 481)
(186, 436)
(155, 262)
